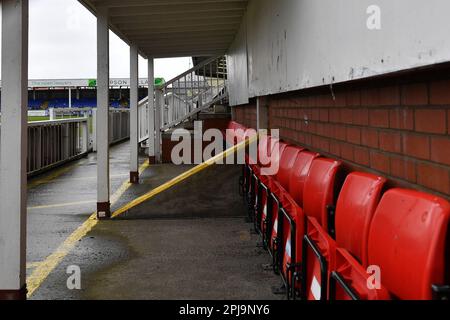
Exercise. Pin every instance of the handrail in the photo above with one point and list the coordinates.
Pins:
(194, 112)
(197, 67)
(193, 91)
(182, 97)
(55, 122)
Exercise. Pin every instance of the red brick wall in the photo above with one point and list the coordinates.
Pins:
(397, 126)
(246, 114)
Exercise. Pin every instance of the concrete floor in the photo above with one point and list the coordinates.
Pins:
(191, 242)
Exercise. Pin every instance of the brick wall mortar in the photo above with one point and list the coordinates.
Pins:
(398, 127)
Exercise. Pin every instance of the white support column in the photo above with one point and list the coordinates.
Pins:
(159, 102)
(134, 114)
(13, 172)
(151, 111)
(102, 126)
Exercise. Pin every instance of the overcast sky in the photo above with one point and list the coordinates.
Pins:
(63, 45)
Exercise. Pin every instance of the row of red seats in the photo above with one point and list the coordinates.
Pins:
(356, 240)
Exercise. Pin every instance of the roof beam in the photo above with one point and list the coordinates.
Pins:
(169, 16)
(178, 23)
(177, 8)
(140, 3)
(174, 28)
(150, 31)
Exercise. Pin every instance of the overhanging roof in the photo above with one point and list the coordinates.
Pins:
(174, 28)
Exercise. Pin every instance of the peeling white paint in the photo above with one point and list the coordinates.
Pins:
(297, 44)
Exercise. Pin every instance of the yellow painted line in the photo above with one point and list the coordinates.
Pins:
(42, 271)
(183, 177)
(59, 205)
(31, 265)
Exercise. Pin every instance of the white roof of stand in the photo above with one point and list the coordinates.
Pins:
(174, 28)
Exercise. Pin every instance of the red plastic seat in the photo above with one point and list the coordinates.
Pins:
(406, 242)
(356, 204)
(265, 147)
(355, 207)
(318, 193)
(234, 132)
(267, 186)
(349, 280)
(297, 180)
(261, 181)
(292, 218)
(320, 189)
(278, 186)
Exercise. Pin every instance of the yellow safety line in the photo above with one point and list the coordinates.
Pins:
(183, 176)
(42, 271)
(31, 265)
(59, 205)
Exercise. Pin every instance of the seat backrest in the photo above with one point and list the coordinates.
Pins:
(233, 125)
(235, 132)
(278, 148)
(287, 162)
(407, 240)
(319, 189)
(299, 174)
(264, 150)
(250, 135)
(355, 207)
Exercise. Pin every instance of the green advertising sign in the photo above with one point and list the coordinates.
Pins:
(159, 82)
(92, 83)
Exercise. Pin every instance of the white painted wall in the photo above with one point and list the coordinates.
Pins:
(296, 44)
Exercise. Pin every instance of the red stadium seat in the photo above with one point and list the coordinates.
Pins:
(234, 132)
(260, 182)
(297, 180)
(320, 180)
(319, 193)
(407, 242)
(278, 186)
(319, 190)
(356, 205)
(349, 280)
(292, 218)
(265, 147)
(357, 202)
(270, 214)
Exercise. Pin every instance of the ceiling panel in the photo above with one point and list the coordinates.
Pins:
(171, 28)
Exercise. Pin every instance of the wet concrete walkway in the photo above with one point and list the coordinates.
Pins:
(191, 242)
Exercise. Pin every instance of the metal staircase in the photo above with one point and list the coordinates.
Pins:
(181, 99)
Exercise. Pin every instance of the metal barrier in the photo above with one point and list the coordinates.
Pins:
(119, 126)
(143, 116)
(52, 143)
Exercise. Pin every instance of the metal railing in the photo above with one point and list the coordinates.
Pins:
(119, 122)
(143, 123)
(60, 140)
(52, 143)
(119, 126)
(193, 91)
